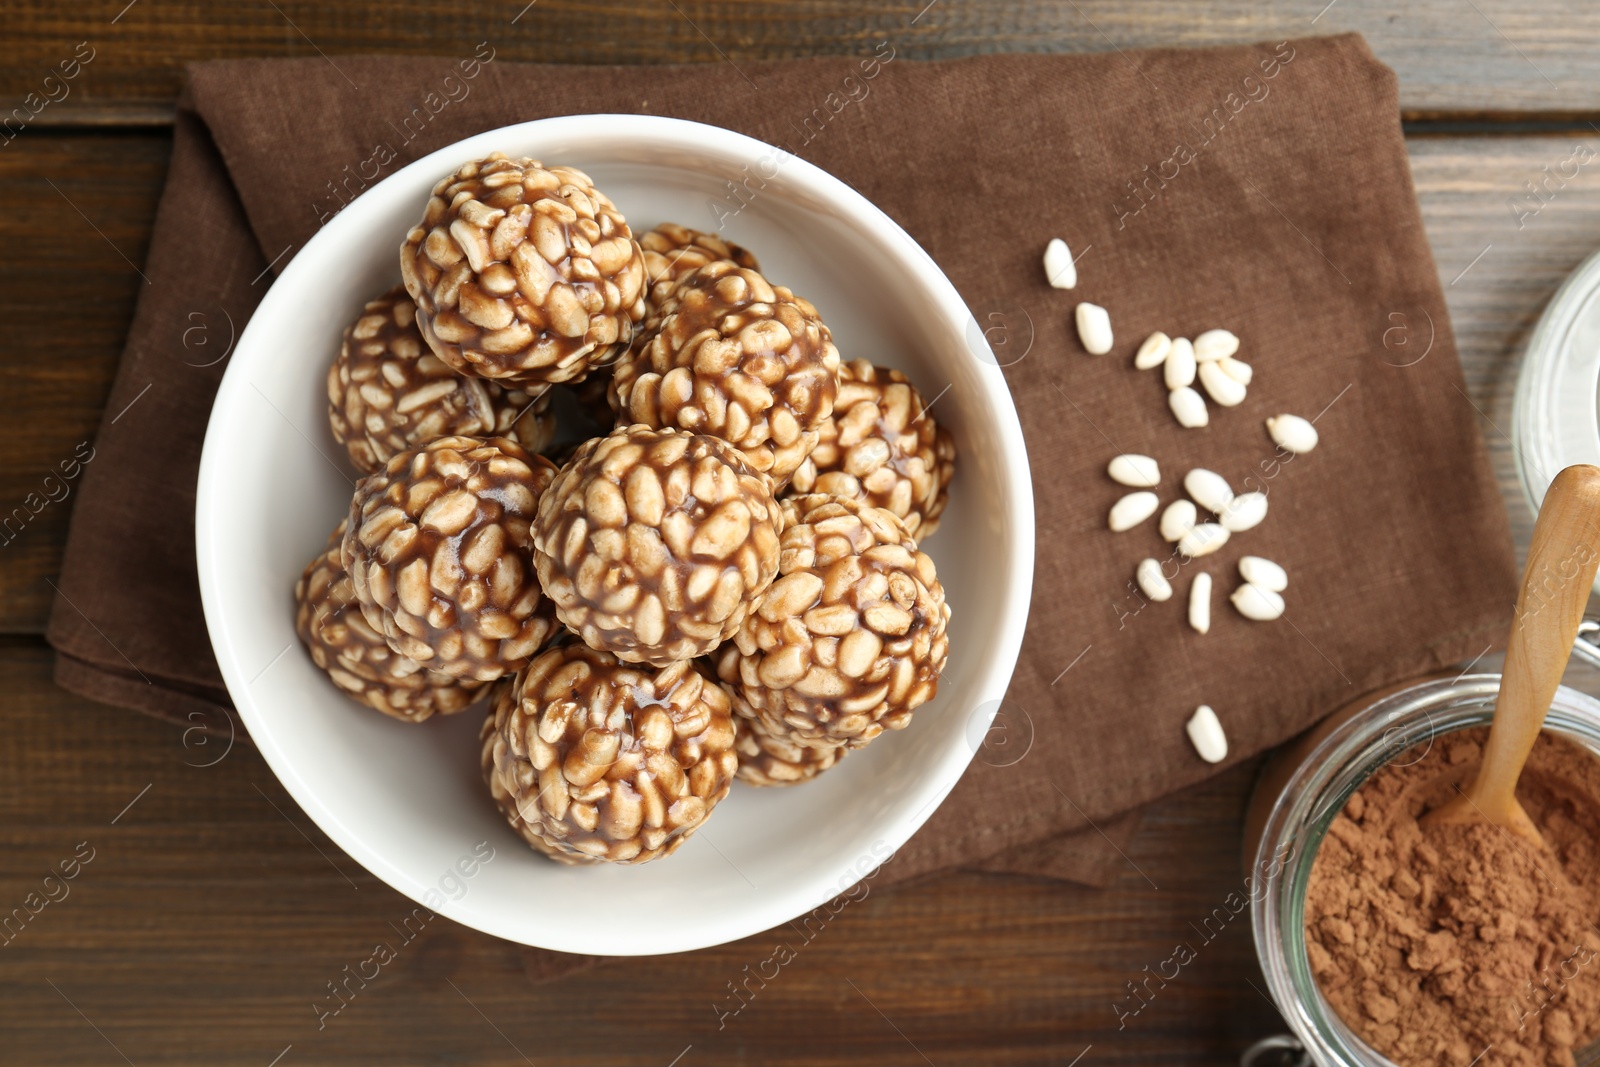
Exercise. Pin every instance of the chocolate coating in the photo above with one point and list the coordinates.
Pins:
(523, 272)
(652, 543)
(437, 550)
(882, 446)
(850, 638)
(740, 359)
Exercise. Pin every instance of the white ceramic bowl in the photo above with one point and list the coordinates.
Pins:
(406, 801)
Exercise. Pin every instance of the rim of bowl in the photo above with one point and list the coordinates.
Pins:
(822, 883)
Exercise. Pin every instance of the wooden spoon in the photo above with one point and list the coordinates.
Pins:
(1555, 590)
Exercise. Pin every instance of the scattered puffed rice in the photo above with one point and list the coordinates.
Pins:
(1214, 345)
(1180, 366)
(1221, 386)
(1178, 519)
(1140, 472)
(1244, 512)
(1208, 489)
(1151, 581)
(1262, 572)
(1203, 539)
(1293, 433)
(1188, 407)
(1058, 266)
(1237, 369)
(1131, 510)
(1200, 603)
(1254, 602)
(1153, 353)
(1205, 733)
(1094, 328)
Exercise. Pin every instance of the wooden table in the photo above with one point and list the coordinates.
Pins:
(214, 914)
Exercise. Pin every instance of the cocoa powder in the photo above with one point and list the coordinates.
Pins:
(1457, 944)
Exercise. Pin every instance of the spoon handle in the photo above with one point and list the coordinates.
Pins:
(1555, 590)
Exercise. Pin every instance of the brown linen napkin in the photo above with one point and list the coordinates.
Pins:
(1262, 188)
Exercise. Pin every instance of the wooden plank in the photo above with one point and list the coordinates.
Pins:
(213, 914)
(1492, 56)
(79, 210)
(1501, 256)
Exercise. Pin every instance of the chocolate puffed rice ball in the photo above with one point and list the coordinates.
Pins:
(740, 359)
(388, 392)
(437, 550)
(850, 638)
(672, 252)
(652, 543)
(882, 447)
(357, 658)
(505, 696)
(593, 759)
(523, 273)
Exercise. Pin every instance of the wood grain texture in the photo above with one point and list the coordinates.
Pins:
(1487, 57)
(1499, 266)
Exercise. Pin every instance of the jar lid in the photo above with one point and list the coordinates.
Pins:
(1555, 417)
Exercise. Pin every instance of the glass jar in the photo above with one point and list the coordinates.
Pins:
(1318, 773)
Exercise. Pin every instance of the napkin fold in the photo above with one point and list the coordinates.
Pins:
(1260, 188)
